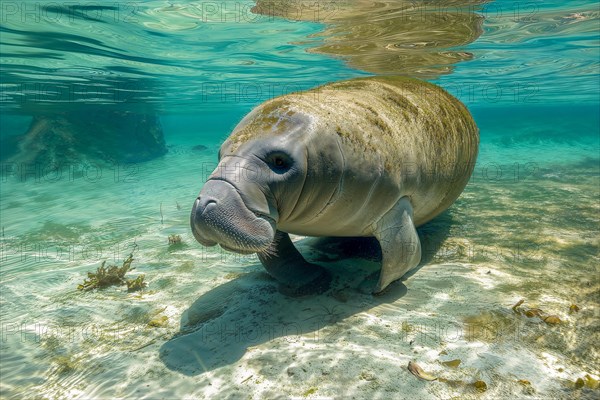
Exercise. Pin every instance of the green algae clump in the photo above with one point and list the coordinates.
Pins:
(159, 321)
(480, 386)
(112, 276)
(64, 364)
(174, 239)
(310, 391)
(133, 285)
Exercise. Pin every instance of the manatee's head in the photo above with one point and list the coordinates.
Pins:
(261, 170)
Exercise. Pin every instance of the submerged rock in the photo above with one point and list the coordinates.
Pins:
(97, 135)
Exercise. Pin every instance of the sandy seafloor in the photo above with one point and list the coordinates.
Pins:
(526, 227)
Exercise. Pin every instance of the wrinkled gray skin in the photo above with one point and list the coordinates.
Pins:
(364, 157)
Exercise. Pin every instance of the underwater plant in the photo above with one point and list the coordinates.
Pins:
(112, 276)
(174, 239)
(133, 285)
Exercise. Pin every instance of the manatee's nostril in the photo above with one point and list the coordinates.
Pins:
(202, 205)
(209, 204)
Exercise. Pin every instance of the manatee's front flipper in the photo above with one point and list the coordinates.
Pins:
(296, 276)
(400, 245)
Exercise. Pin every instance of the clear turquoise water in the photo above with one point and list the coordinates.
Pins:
(530, 216)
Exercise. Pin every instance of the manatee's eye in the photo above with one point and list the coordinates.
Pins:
(279, 161)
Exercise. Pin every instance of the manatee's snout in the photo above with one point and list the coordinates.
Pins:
(220, 216)
(202, 205)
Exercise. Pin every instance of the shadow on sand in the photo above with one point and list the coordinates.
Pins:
(227, 321)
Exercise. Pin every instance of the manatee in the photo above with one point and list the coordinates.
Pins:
(366, 157)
